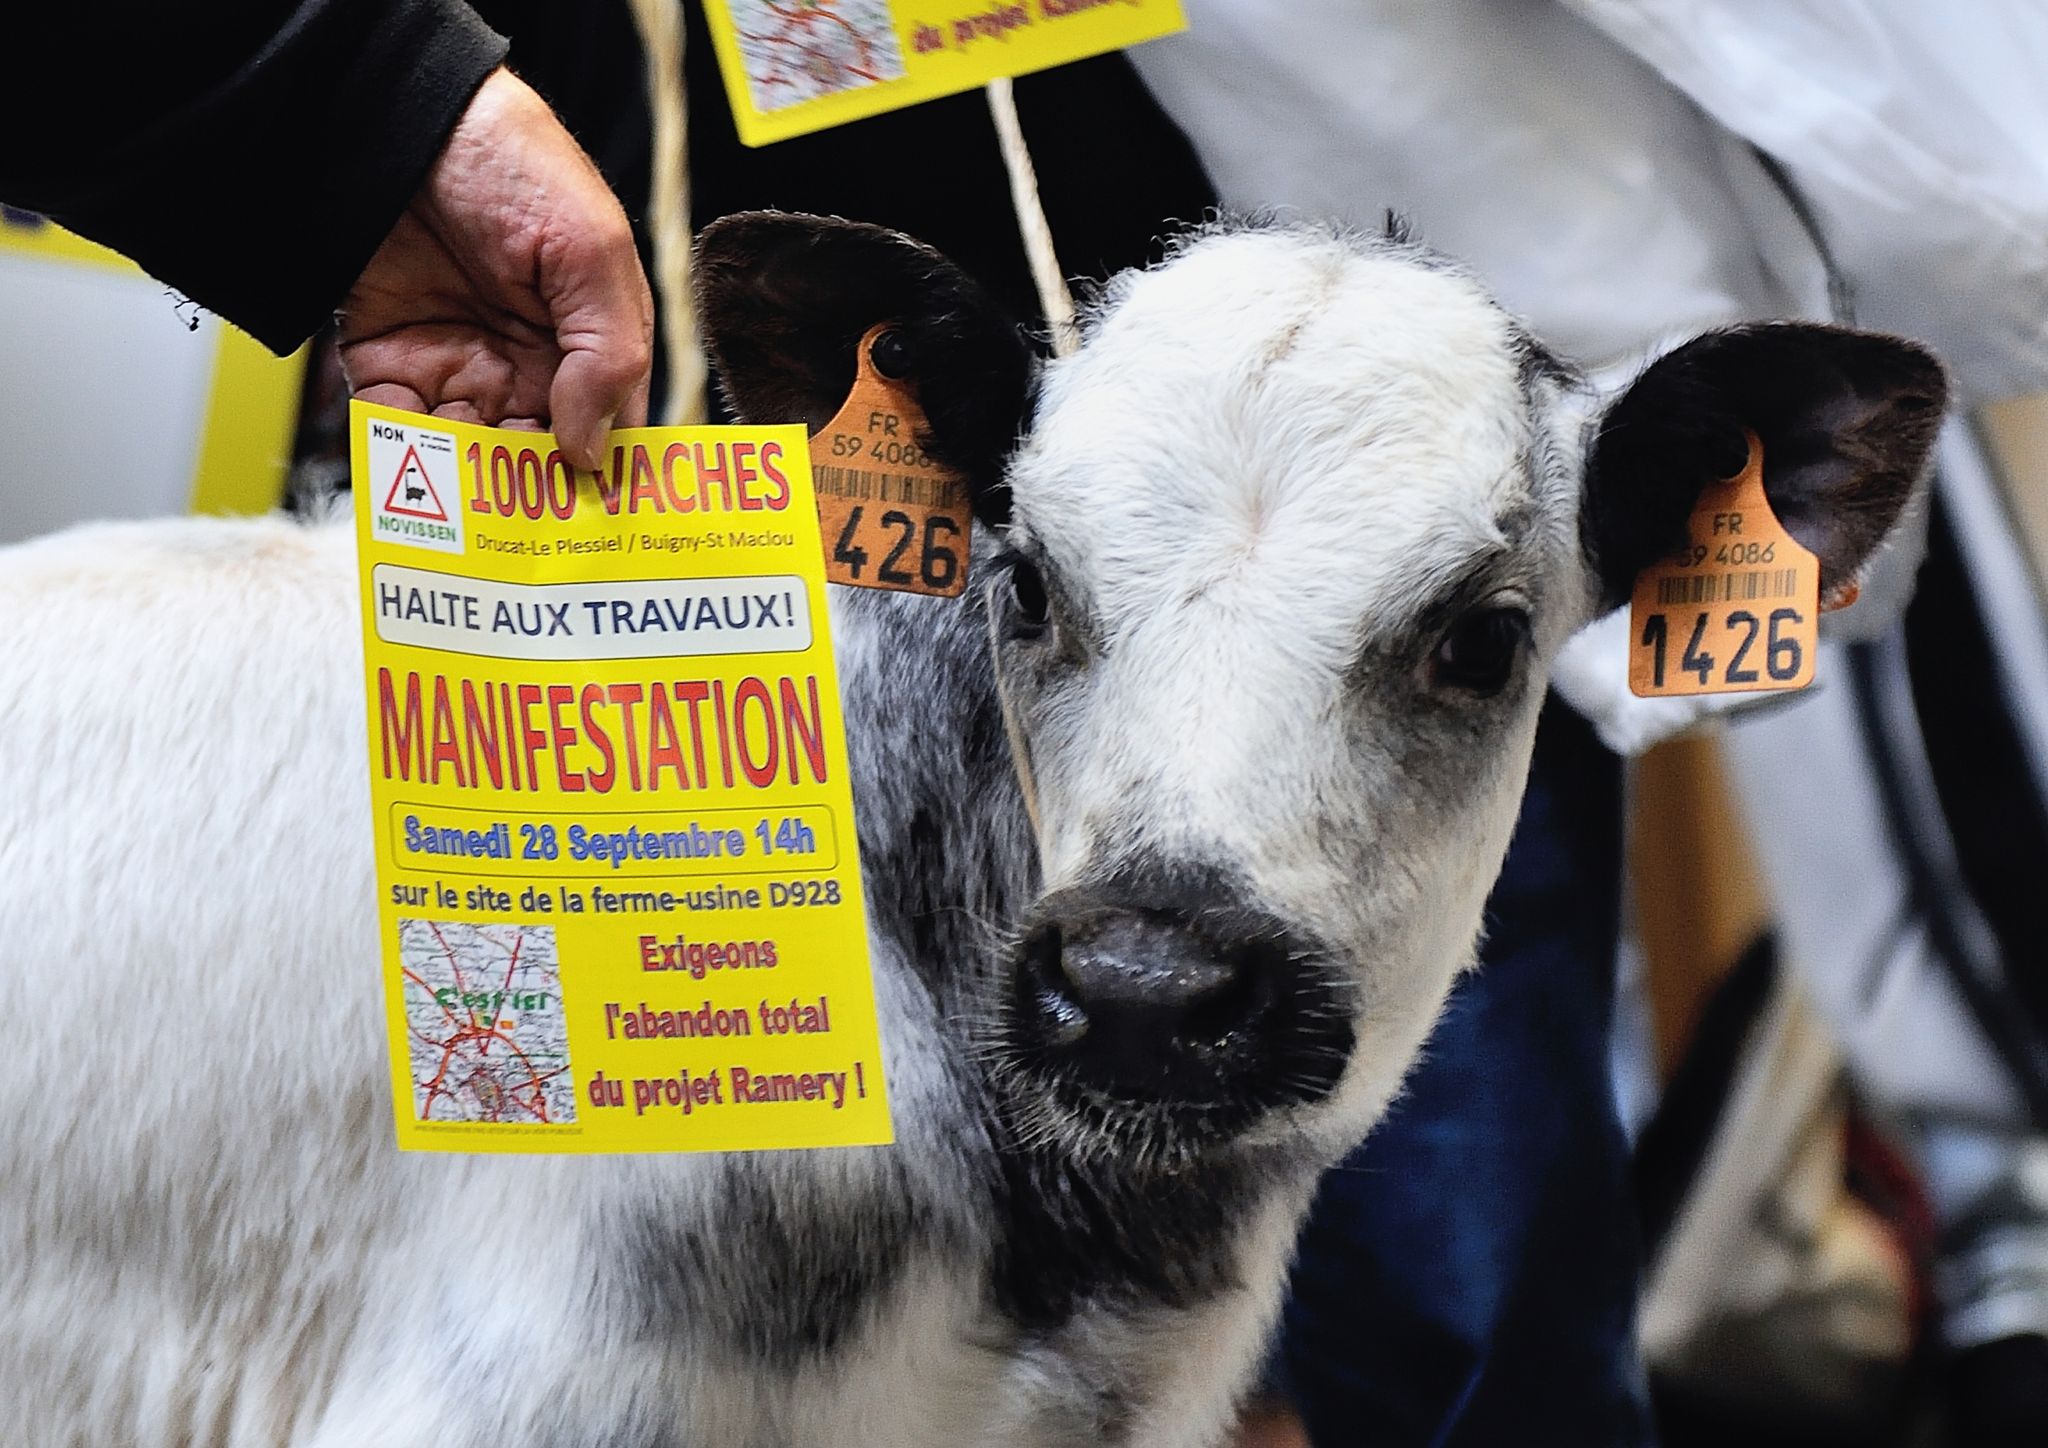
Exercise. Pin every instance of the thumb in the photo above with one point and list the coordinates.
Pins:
(603, 314)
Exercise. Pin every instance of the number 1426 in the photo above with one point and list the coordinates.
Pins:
(1761, 648)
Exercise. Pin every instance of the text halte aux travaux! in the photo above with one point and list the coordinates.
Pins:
(744, 611)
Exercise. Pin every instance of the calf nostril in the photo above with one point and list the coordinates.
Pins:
(1229, 1006)
(1139, 1003)
(1053, 991)
(1217, 1012)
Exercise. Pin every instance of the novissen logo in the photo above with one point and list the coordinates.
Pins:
(414, 474)
(413, 493)
(413, 530)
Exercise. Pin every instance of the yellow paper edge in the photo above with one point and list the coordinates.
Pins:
(245, 442)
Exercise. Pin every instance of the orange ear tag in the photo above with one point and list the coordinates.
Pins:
(1737, 609)
(890, 515)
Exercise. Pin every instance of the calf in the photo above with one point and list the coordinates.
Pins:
(1176, 830)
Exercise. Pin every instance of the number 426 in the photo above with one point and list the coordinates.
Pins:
(939, 560)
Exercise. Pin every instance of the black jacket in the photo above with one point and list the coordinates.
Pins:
(251, 153)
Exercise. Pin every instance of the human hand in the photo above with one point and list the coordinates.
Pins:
(509, 292)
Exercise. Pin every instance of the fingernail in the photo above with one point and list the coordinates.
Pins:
(592, 444)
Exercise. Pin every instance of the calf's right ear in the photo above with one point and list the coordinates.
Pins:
(784, 300)
(1846, 419)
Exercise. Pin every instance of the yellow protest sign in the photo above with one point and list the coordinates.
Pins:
(619, 894)
(796, 66)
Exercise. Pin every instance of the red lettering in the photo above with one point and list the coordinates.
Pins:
(724, 734)
(743, 472)
(598, 779)
(771, 458)
(611, 484)
(759, 771)
(404, 728)
(505, 714)
(645, 487)
(707, 474)
(674, 453)
(663, 748)
(561, 736)
(796, 731)
(447, 744)
(480, 731)
(531, 739)
(626, 696)
(693, 692)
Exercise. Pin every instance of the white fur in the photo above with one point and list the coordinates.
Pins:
(206, 1235)
(1266, 457)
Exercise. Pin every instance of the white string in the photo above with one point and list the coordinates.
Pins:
(660, 23)
(1020, 754)
(1053, 297)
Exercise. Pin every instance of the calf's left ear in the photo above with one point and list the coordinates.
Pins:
(1846, 419)
(785, 299)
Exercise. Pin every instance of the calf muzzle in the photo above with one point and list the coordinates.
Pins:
(1202, 1005)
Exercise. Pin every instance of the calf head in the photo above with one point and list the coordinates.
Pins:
(1278, 562)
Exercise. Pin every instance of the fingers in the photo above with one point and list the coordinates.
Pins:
(604, 326)
(592, 289)
(582, 261)
(393, 394)
(512, 289)
(634, 413)
(471, 374)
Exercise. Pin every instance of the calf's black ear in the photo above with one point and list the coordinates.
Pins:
(1846, 419)
(784, 300)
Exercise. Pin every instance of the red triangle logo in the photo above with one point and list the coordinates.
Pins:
(412, 491)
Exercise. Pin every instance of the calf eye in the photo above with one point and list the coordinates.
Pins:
(1027, 612)
(1479, 652)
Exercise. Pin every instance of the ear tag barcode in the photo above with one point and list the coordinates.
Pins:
(890, 515)
(1737, 609)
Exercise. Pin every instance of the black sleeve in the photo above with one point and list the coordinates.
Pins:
(253, 155)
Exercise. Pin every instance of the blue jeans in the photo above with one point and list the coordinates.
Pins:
(1468, 1276)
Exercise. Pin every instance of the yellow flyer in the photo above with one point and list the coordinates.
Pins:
(619, 894)
(795, 66)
